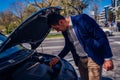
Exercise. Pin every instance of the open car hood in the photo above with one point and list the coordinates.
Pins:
(33, 30)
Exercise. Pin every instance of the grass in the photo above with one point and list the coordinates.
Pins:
(55, 36)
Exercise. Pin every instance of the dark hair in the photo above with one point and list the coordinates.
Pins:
(53, 18)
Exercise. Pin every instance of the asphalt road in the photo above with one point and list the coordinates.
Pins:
(54, 46)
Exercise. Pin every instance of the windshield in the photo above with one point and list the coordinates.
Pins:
(2, 39)
(9, 51)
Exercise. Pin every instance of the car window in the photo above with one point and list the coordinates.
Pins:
(1, 42)
(2, 38)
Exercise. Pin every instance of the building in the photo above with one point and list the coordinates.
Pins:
(115, 3)
(103, 16)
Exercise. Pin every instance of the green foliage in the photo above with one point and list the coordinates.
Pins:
(20, 10)
(54, 36)
(118, 13)
(111, 16)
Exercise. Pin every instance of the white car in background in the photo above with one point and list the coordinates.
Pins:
(108, 31)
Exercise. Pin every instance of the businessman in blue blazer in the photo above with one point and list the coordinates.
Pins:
(86, 41)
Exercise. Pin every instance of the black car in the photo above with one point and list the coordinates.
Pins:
(20, 63)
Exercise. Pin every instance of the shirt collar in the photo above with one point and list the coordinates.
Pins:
(70, 22)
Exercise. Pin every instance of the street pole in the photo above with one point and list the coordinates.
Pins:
(116, 28)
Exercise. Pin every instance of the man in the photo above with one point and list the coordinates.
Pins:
(87, 43)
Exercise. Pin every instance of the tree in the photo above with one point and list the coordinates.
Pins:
(18, 9)
(69, 6)
(94, 7)
(42, 3)
(29, 11)
(118, 13)
(79, 5)
(111, 16)
(74, 6)
(6, 20)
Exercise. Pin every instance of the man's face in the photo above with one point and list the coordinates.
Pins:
(61, 26)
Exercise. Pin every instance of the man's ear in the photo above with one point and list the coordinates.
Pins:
(61, 22)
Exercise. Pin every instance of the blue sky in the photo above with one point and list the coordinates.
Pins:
(104, 2)
(4, 4)
(100, 4)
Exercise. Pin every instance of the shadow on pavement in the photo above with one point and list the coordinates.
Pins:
(103, 78)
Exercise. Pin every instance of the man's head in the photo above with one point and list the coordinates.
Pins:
(57, 22)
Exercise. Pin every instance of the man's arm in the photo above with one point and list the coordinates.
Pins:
(97, 40)
(63, 53)
(66, 48)
(94, 36)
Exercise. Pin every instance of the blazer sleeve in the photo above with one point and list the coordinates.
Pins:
(94, 37)
(91, 32)
(69, 47)
(66, 48)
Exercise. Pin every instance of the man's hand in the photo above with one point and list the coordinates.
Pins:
(108, 65)
(54, 61)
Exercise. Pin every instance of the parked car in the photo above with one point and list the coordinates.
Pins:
(118, 25)
(20, 63)
(108, 31)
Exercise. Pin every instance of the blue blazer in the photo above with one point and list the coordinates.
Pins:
(91, 37)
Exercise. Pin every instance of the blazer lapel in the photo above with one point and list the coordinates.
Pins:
(77, 31)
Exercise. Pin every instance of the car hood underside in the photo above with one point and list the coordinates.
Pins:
(33, 30)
